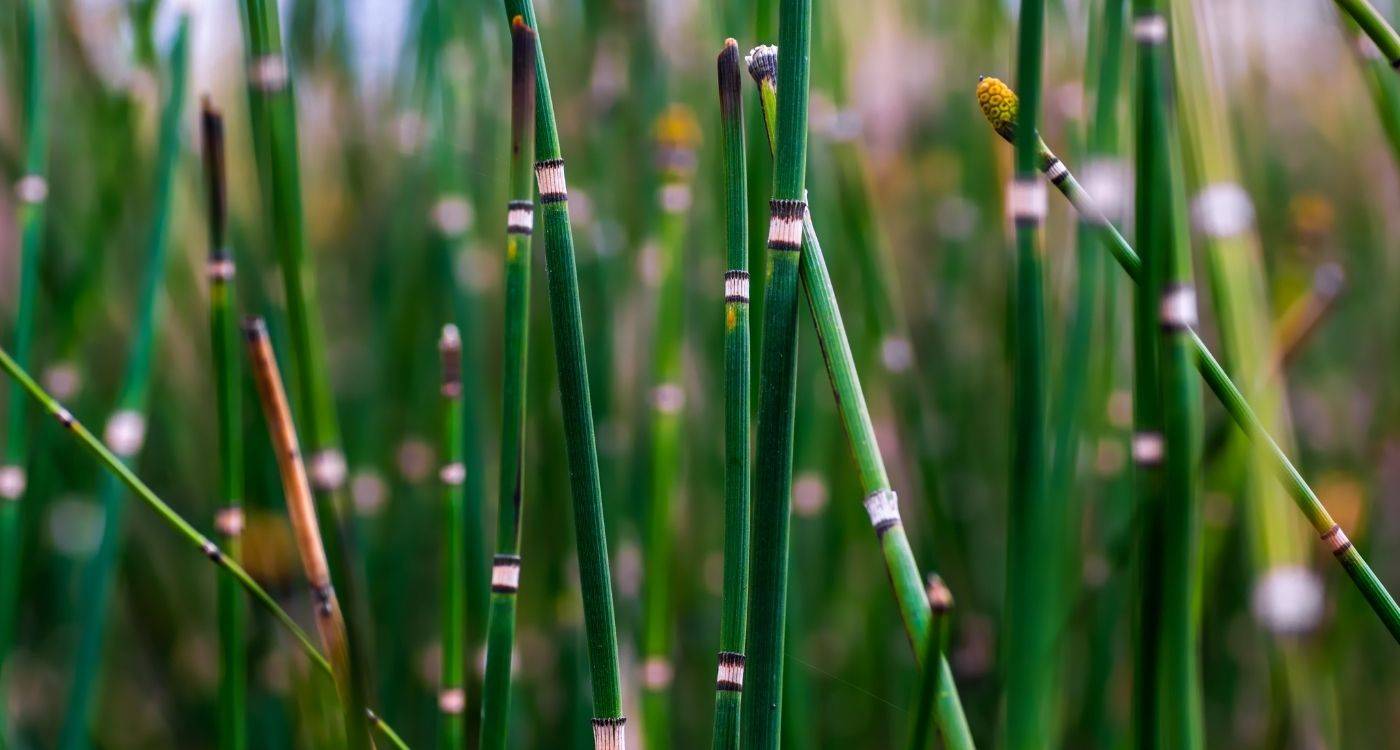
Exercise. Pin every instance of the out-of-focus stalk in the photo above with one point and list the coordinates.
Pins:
(125, 431)
(452, 695)
(228, 397)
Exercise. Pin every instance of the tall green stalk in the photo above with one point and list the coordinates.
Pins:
(579, 437)
(1228, 393)
(729, 679)
(1170, 300)
(228, 394)
(117, 467)
(881, 503)
(761, 709)
(678, 134)
(32, 191)
(272, 108)
(452, 695)
(1033, 537)
(126, 428)
(505, 571)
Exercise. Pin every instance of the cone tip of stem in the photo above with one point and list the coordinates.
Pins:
(762, 62)
(940, 598)
(517, 24)
(254, 327)
(999, 105)
(731, 42)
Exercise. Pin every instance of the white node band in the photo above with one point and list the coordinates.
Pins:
(268, 73)
(505, 575)
(1148, 448)
(609, 734)
(520, 219)
(730, 675)
(452, 701)
(657, 673)
(785, 231)
(32, 189)
(453, 474)
(1178, 307)
(1150, 29)
(668, 398)
(1222, 210)
(1057, 171)
(897, 353)
(883, 507)
(327, 469)
(550, 177)
(1337, 540)
(675, 198)
(221, 269)
(736, 286)
(125, 432)
(12, 482)
(1025, 201)
(229, 521)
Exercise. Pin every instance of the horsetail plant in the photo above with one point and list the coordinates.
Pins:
(729, 679)
(1169, 301)
(881, 502)
(228, 393)
(1374, 25)
(761, 708)
(1033, 535)
(301, 510)
(272, 109)
(125, 431)
(1210, 370)
(677, 134)
(452, 695)
(930, 688)
(32, 191)
(117, 467)
(505, 567)
(580, 440)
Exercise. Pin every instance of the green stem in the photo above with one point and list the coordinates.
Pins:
(1375, 26)
(495, 707)
(579, 437)
(761, 709)
(118, 469)
(1033, 548)
(880, 499)
(32, 192)
(940, 601)
(729, 680)
(1230, 396)
(228, 392)
(452, 699)
(272, 108)
(126, 427)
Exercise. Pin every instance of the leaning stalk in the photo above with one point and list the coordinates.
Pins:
(228, 393)
(505, 569)
(1374, 25)
(579, 437)
(126, 428)
(729, 680)
(301, 510)
(118, 468)
(880, 500)
(32, 191)
(272, 108)
(1230, 396)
